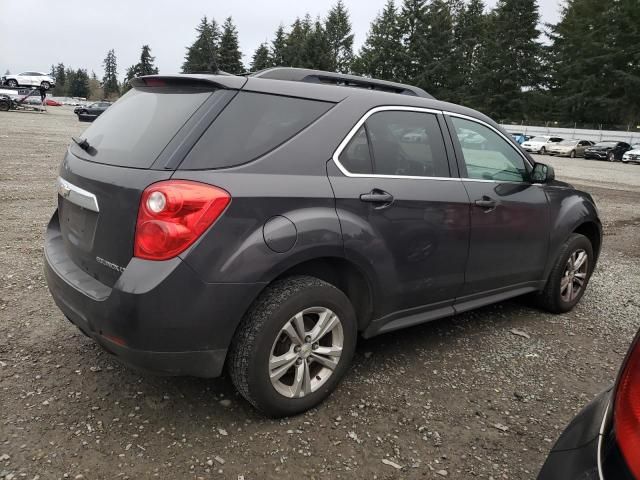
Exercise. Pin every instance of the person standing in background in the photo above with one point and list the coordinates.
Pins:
(43, 97)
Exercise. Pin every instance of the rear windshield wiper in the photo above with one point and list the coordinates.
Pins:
(84, 144)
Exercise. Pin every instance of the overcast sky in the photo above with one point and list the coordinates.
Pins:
(80, 32)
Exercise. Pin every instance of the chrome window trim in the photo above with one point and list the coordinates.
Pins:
(77, 195)
(403, 108)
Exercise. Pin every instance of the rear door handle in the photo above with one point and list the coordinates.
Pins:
(486, 203)
(377, 196)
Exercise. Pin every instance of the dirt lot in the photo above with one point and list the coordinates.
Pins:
(461, 397)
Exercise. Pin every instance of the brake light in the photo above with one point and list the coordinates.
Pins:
(626, 412)
(173, 214)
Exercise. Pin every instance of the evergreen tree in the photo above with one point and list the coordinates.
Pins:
(229, 52)
(146, 65)
(95, 89)
(469, 33)
(509, 60)
(339, 38)
(382, 53)
(110, 83)
(595, 71)
(261, 58)
(437, 66)
(317, 50)
(295, 44)
(60, 89)
(412, 24)
(202, 55)
(278, 47)
(79, 84)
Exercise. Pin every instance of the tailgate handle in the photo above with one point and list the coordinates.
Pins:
(77, 195)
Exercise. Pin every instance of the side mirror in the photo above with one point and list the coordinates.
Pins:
(543, 173)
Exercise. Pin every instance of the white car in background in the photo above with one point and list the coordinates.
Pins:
(29, 79)
(540, 144)
(633, 155)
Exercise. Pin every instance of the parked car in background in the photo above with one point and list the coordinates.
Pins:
(29, 79)
(633, 155)
(181, 245)
(603, 441)
(520, 138)
(88, 113)
(569, 148)
(540, 144)
(607, 150)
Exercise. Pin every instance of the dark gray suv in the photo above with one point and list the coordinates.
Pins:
(263, 222)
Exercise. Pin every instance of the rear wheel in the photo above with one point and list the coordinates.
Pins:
(572, 154)
(543, 151)
(569, 276)
(12, 83)
(4, 106)
(294, 346)
(611, 157)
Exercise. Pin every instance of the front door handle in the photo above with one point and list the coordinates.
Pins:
(486, 203)
(377, 196)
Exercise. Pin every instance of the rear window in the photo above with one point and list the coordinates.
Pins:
(252, 125)
(133, 131)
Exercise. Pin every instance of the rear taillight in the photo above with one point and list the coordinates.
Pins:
(173, 214)
(626, 412)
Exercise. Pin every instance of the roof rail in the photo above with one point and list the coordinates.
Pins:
(340, 79)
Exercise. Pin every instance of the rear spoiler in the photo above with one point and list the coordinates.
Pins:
(230, 82)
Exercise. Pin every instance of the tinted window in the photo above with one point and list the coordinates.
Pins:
(250, 126)
(136, 128)
(356, 157)
(407, 143)
(487, 155)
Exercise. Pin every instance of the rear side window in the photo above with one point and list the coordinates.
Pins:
(356, 157)
(134, 130)
(407, 144)
(252, 125)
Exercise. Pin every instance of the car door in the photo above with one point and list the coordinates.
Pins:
(509, 214)
(582, 145)
(403, 211)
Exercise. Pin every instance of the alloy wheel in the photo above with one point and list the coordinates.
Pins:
(575, 275)
(306, 352)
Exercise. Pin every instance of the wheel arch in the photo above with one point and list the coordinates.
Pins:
(342, 274)
(592, 231)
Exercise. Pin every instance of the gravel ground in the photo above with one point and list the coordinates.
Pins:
(458, 398)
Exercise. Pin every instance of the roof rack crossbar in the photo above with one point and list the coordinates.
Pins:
(319, 76)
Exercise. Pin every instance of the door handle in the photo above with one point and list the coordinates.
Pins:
(377, 196)
(487, 203)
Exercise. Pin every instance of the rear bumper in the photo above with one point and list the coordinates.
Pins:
(158, 316)
(575, 454)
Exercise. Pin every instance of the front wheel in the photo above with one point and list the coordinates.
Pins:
(572, 154)
(543, 151)
(611, 157)
(293, 346)
(569, 276)
(45, 85)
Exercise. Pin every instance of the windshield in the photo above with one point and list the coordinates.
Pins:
(539, 139)
(635, 147)
(606, 144)
(568, 142)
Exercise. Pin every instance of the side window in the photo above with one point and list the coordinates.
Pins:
(356, 157)
(487, 155)
(408, 144)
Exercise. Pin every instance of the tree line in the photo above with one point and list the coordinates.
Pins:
(501, 61)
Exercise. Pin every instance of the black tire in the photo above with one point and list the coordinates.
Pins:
(611, 157)
(248, 361)
(46, 85)
(12, 83)
(550, 298)
(543, 151)
(4, 106)
(572, 154)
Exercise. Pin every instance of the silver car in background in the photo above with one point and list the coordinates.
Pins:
(569, 148)
(633, 155)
